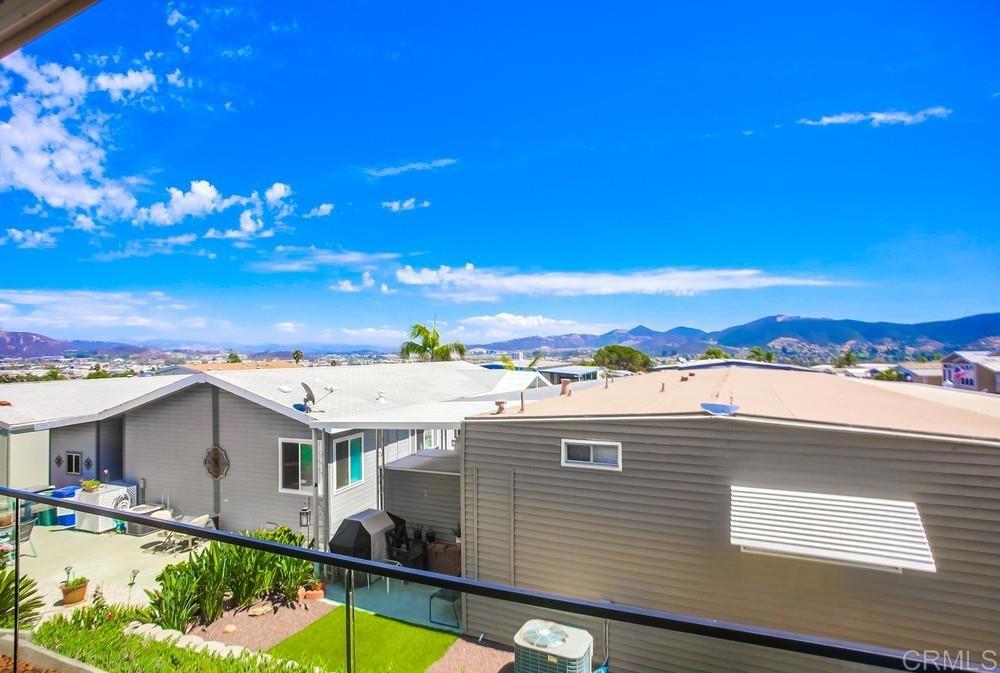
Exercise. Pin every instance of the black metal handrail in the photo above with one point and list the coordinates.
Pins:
(712, 628)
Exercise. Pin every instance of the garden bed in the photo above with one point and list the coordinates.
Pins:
(7, 666)
(264, 632)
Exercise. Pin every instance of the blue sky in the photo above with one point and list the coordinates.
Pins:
(293, 172)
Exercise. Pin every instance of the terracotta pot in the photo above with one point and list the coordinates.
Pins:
(311, 594)
(75, 595)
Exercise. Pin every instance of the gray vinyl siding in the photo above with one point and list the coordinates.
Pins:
(165, 444)
(356, 497)
(656, 535)
(249, 434)
(433, 500)
(81, 438)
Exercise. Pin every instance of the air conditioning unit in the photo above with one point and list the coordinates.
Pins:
(547, 647)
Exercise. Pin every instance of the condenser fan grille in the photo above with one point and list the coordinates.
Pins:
(547, 634)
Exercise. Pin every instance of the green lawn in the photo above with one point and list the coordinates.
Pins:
(381, 644)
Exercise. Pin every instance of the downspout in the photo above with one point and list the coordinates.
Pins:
(318, 506)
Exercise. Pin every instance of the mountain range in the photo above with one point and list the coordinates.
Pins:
(790, 336)
(787, 334)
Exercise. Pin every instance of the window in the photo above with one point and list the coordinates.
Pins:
(431, 439)
(592, 454)
(295, 466)
(349, 461)
(73, 460)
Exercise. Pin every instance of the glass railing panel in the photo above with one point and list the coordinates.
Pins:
(130, 598)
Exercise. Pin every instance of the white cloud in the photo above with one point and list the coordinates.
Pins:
(385, 289)
(347, 286)
(31, 238)
(408, 204)
(879, 118)
(52, 151)
(177, 79)
(291, 258)
(251, 226)
(184, 28)
(288, 327)
(246, 51)
(503, 326)
(469, 283)
(376, 336)
(412, 166)
(147, 247)
(277, 198)
(121, 86)
(322, 210)
(87, 224)
(82, 309)
(200, 200)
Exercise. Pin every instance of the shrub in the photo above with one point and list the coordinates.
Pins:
(175, 604)
(93, 635)
(197, 589)
(30, 603)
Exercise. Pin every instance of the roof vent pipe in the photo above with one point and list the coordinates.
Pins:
(565, 386)
(663, 387)
(522, 401)
(500, 405)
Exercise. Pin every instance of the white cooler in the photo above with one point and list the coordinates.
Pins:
(115, 497)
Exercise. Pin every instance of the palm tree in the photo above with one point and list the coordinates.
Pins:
(297, 356)
(507, 362)
(425, 343)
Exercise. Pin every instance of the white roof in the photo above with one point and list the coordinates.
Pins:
(844, 529)
(437, 461)
(371, 393)
(383, 396)
(49, 404)
(982, 358)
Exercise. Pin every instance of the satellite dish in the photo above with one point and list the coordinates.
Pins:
(310, 398)
(720, 409)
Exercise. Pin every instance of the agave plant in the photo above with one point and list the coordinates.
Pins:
(30, 603)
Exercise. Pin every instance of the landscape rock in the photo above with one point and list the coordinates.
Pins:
(260, 610)
(167, 635)
(146, 630)
(191, 642)
(217, 648)
(229, 628)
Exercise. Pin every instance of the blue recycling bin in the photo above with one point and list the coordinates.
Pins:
(66, 517)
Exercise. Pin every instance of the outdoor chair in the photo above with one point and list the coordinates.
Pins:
(25, 537)
(203, 521)
(166, 536)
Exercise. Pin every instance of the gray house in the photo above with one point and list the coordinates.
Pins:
(828, 506)
(256, 447)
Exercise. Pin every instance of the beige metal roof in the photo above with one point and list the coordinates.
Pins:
(845, 529)
(785, 395)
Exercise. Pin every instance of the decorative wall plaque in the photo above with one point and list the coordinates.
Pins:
(216, 462)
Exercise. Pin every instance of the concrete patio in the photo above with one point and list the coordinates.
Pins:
(106, 559)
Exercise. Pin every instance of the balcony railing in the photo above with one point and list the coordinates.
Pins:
(143, 593)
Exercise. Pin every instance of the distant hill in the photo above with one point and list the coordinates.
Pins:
(31, 345)
(791, 335)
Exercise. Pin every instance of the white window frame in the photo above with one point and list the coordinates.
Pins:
(591, 465)
(297, 440)
(79, 462)
(333, 446)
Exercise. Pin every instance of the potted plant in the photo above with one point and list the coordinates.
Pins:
(74, 589)
(457, 532)
(418, 531)
(314, 589)
(90, 485)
